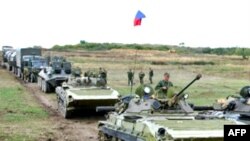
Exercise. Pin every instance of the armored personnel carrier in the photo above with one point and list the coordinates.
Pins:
(172, 119)
(54, 75)
(88, 93)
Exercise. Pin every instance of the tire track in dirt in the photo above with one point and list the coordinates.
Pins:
(76, 129)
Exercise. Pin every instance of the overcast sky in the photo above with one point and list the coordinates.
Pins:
(213, 23)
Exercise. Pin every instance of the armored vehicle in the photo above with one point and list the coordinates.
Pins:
(171, 119)
(236, 104)
(89, 93)
(23, 55)
(52, 76)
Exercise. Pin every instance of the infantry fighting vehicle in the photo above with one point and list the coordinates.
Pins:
(52, 76)
(165, 120)
(236, 104)
(88, 93)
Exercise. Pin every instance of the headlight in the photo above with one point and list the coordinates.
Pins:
(70, 98)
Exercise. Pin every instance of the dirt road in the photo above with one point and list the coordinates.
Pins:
(82, 127)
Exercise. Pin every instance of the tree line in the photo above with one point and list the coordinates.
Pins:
(244, 52)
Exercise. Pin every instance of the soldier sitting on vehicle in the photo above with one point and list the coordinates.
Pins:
(103, 74)
(164, 89)
(76, 72)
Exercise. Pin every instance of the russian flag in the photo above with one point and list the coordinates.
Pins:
(138, 18)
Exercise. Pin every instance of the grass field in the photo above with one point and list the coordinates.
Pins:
(23, 118)
(222, 75)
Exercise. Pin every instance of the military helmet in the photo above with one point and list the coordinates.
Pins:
(245, 92)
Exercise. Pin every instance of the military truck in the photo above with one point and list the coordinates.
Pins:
(88, 93)
(172, 119)
(23, 55)
(8, 57)
(34, 65)
(5, 49)
(12, 62)
(54, 75)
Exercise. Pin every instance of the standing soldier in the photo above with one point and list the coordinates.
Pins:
(141, 76)
(104, 75)
(151, 74)
(130, 77)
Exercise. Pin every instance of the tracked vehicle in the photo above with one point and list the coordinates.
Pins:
(162, 120)
(237, 107)
(85, 93)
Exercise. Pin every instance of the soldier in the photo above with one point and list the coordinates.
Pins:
(141, 76)
(163, 88)
(130, 77)
(76, 72)
(151, 74)
(103, 74)
(100, 71)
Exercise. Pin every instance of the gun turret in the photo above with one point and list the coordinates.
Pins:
(181, 95)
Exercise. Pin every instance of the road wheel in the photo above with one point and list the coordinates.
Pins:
(39, 82)
(42, 87)
(32, 78)
(62, 107)
(103, 137)
(46, 86)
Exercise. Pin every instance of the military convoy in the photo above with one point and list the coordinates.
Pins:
(134, 117)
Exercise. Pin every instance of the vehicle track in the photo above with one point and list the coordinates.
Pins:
(81, 128)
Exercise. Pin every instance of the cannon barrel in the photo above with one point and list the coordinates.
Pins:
(196, 78)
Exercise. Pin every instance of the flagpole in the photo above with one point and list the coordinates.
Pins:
(137, 22)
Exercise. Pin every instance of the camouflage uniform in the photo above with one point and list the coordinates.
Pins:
(164, 93)
(130, 77)
(151, 74)
(103, 75)
(141, 76)
(26, 73)
(76, 72)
